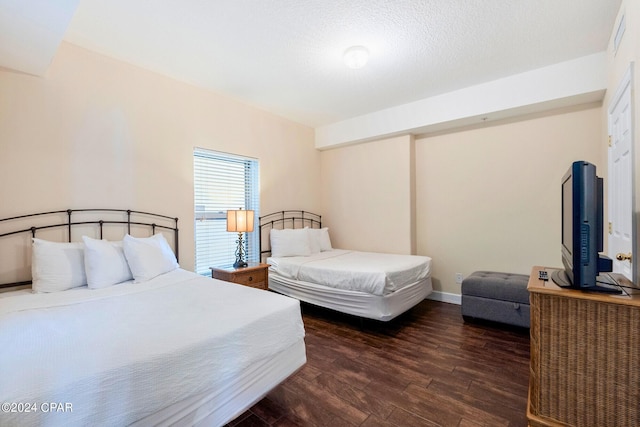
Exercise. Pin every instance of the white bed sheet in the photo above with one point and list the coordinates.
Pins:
(123, 353)
(222, 404)
(361, 304)
(369, 272)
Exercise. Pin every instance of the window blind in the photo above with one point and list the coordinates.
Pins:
(223, 182)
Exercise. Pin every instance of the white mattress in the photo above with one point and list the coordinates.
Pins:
(369, 272)
(121, 354)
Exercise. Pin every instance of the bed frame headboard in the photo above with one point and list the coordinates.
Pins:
(281, 220)
(93, 222)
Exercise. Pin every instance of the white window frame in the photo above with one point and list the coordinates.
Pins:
(223, 182)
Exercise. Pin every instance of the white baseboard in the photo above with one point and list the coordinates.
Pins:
(445, 297)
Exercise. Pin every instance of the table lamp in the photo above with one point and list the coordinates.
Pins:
(240, 221)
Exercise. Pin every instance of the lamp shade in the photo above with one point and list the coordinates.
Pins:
(240, 221)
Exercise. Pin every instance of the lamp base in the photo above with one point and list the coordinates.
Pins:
(239, 264)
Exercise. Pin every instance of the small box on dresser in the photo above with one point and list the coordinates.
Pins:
(255, 275)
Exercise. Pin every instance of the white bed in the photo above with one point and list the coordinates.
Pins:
(177, 349)
(365, 284)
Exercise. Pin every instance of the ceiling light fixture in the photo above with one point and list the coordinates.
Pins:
(356, 56)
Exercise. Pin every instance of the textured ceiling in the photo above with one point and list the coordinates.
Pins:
(285, 56)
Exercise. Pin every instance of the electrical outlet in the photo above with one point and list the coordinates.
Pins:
(459, 278)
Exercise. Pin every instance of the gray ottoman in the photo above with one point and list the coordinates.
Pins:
(499, 297)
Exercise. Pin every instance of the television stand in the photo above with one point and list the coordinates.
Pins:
(585, 349)
(560, 278)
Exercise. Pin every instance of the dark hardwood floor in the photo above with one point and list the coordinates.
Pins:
(425, 368)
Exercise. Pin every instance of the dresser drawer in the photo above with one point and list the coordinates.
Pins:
(255, 275)
(255, 278)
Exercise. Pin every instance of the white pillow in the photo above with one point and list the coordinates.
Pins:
(290, 242)
(314, 242)
(320, 237)
(105, 263)
(148, 257)
(57, 266)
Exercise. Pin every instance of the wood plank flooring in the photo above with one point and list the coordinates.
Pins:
(425, 368)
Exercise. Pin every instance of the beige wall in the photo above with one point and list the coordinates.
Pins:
(483, 199)
(97, 132)
(368, 196)
(489, 198)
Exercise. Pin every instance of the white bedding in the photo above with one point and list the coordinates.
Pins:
(122, 353)
(361, 304)
(369, 272)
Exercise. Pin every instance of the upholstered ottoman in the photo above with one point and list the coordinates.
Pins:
(499, 297)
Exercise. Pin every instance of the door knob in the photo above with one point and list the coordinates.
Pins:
(624, 257)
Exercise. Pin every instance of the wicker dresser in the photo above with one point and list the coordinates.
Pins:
(585, 357)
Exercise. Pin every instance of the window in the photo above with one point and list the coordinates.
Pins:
(223, 182)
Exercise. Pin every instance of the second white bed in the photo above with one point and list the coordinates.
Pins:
(365, 284)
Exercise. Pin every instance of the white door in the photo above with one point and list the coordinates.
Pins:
(620, 187)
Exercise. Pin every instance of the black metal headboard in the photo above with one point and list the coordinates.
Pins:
(285, 219)
(86, 217)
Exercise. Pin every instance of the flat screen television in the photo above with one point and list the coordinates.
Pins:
(582, 231)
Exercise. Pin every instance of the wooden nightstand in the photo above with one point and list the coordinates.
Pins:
(255, 275)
